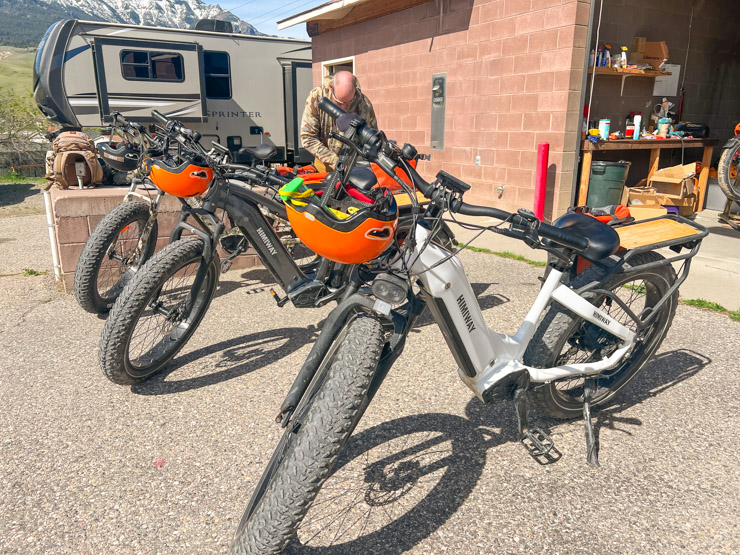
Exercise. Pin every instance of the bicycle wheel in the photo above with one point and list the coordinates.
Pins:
(322, 423)
(146, 327)
(110, 259)
(728, 172)
(564, 338)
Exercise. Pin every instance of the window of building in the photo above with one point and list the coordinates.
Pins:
(139, 65)
(217, 73)
(331, 67)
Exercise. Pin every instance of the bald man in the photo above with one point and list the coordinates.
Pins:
(344, 91)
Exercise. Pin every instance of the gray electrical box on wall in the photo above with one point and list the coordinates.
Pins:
(439, 97)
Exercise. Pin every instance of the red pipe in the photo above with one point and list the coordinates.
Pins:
(543, 154)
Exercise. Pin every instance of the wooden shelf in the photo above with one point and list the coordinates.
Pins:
(616, 71)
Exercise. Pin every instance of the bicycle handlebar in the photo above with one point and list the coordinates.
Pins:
(371, 137)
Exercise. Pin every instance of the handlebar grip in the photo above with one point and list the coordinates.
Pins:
(160, 117)
(330, 108)
(277, 179)
(563, 237)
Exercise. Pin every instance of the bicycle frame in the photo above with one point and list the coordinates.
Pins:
(485, 357)
(242, 205)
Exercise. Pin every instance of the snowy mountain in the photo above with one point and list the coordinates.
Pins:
(180, 14)
(23, 22)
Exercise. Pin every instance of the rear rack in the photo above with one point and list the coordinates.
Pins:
(677, 234)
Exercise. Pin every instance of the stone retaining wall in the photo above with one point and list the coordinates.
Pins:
(78, 212)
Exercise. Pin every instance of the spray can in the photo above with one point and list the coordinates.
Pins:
(638, 121)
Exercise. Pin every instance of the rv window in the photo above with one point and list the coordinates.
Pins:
(139, 65)
(217, 74)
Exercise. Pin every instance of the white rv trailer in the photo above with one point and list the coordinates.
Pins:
(238, 90)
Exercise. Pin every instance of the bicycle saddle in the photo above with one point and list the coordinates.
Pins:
(260, 152)
(603, 241)
(363, 178)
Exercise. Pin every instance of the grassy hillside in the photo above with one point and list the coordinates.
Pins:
(16, 68)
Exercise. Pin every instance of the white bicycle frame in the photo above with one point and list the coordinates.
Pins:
(485, 357)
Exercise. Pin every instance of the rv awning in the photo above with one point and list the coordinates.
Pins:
(342, 13)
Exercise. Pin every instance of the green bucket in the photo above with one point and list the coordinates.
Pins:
(607, 182)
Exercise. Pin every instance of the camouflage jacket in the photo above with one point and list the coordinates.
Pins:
(316, 124)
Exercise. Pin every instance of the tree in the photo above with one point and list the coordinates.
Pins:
(21, 123)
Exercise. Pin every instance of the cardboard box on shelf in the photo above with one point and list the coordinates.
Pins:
(675, 182)
(638, 50)
(655, 53)
(646, 197)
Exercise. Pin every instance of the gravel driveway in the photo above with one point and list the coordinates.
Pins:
(167, 466)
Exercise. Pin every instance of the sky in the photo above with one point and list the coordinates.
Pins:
(264, 14)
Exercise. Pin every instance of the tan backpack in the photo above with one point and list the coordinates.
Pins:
(68, 149)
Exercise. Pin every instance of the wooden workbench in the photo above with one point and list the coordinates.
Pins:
(654, 146)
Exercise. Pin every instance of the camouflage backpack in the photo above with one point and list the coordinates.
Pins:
(68, 149)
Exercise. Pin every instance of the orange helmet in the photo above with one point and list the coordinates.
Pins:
(357, 235)
(188, 179)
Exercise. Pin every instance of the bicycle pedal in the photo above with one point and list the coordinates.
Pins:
(225, 266)
(280, 301)
(540, 446)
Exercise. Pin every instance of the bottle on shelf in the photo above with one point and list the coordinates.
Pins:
(638, 122)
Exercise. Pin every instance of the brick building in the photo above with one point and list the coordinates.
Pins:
(514, 77)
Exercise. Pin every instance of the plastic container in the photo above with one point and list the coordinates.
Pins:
(638, 122)
(604, 125)
(607, 182)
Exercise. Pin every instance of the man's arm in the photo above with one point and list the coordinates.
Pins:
(310, 127)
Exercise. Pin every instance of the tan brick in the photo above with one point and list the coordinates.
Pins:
(467, 52)
(502, 29)
(527, 63)
(520, 177)
(490, 85)
(514, 46)
(539, 82)
(68, 281)
(486, 122)
(522, 103)
(72, 230)
(510, 122)
(543, 40)
(69, 254)
(521, 140)
(491, 11)
(553, 102)
(513, 84)
(494, 174)
(537, 121)
(508, 158)
(542, 4)
(479, 33)
(560, 16)
(528, 159)
(515, 7)
(529, 23)
(491, 48)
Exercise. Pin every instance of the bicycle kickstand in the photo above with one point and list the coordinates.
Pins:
(538, 444)
(592, 454)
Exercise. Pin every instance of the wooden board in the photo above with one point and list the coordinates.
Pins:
(402, 199)
(634, 72)
(651, 233)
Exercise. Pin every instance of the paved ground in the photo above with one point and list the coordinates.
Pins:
(167, 466)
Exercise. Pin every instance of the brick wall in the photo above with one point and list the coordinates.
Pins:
(514, 73)
(77, 213)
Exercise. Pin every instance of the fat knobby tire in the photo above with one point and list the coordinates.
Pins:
(308, 460)
(90, 261)
(558, 324)
(724, 178)
(121, 323)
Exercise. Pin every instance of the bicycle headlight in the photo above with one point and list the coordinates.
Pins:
(390, 289)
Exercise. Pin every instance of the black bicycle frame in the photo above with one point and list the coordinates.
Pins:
(242, 205)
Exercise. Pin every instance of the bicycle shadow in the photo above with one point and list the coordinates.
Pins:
(239, 356)
(663, 372)
(456, 446)
(469, 438)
